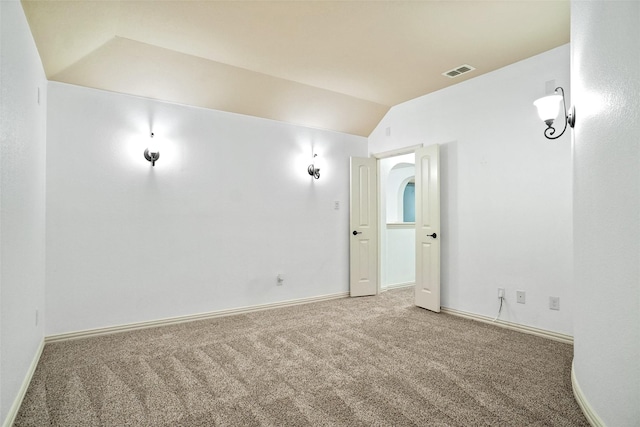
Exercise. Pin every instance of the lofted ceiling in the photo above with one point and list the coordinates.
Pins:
(331, 65)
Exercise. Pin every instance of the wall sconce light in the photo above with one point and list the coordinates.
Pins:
(548, 108)
(151, 153)
(314, 168)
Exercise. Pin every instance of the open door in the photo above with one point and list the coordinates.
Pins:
(427, 288)
(363, 248)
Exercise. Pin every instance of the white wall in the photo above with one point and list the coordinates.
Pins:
(22, 201)
(227, 207)
(605, 60)
(400, 255)
(505, 190)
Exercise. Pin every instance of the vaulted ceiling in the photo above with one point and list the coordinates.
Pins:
(332, 65)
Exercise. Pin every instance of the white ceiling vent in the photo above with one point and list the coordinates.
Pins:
(462, 69)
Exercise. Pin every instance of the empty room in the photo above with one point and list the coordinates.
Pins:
(346, 213)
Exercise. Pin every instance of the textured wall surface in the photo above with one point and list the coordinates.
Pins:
(606, 84)
(505, 190)
(22, 189)
(228, 206)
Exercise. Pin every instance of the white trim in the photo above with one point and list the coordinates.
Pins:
(15, 407)
(556, 336)
(379, 207)
(189, 318)
(396, 152)
(395, 225)
(398, 286)
(587, 410)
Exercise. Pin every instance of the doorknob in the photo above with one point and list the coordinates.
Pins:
(434, 235)
(355, 233)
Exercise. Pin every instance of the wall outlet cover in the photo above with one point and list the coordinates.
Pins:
(520, 297)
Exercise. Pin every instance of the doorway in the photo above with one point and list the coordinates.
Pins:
(365, 256)
(397, 221)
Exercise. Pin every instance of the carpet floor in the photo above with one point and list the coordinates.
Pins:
(371, 361)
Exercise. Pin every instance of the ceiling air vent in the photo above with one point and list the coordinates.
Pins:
(458, 71)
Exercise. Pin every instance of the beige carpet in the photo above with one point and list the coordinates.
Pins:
(372, 361)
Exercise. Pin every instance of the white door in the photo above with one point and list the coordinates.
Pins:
(427, 289)
(363, 248)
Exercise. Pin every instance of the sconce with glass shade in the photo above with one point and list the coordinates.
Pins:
(314, 168)
(548, 109)
(152, 152)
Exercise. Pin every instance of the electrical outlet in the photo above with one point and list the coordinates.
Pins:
(520, 297)
(279, 279)
(554, 303)
(336, 205)
(500, 292)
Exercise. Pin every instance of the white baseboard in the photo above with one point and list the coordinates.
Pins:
(587, 410)
(398, 286)
(189, 318)
(556, 336)
(17, 402)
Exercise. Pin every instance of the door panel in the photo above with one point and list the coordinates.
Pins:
(427, 289)
(426, 256)
(363, 252)
(425, 180)
(364, 172)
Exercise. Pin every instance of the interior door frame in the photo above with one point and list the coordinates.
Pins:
(378, 157)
